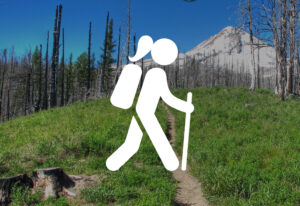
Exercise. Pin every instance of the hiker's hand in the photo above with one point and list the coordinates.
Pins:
(189, 108)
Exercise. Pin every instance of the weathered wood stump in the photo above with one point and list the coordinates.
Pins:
(53, 181)
(7, 184)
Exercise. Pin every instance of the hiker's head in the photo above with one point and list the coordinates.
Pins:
(163, 51)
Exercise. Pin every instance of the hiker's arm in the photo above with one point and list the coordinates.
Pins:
(173, 101)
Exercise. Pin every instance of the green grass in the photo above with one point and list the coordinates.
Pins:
(24, 197)
(79, 138)
(244, 147)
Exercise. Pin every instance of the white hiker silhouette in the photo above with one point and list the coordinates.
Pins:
(155, 86)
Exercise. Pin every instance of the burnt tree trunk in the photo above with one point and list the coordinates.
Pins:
(8, 102)
(88, 79)
(292, 47)
(27, 94)
(57, 47)
(8, 91)
(62, 92)
(103, 69)
(283, 42)
(38, 103)
(68, 83)
(2, 81)
(7, 185)
(128, 31)
(55, 56)
(45, 98)
(54, 66)
(134, 45)
(143, 74)
(118, 59)
(53, 182)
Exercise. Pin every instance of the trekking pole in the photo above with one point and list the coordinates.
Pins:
(186, 134)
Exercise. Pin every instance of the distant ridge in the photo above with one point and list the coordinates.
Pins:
(231, 46)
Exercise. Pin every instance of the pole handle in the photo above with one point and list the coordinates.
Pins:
(189, 97)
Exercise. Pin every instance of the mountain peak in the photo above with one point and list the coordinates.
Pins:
(232, 46)
(229, 28)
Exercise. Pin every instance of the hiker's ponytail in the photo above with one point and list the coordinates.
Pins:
(145, 45)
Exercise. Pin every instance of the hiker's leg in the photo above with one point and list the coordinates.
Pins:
(127, 149)
(160, 142)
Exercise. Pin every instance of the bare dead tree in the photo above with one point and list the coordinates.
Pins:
(177, 72)
(33, 78)
(2, 80)
(246, 12)
(88, 81)
(27, 93)
(284, 41)
(57, 47)
(134, 44)
(143, 73)
(118, 55)
(212, 64)
(38, 102)
(253, 75)
(275, 19)
(55, 56)
(8, 101)
(128, 31)
(54, 66)
(62, 91)
(69, 79)
(45, 97)
(258, 47)
(292, 26)
(27, 84)
(9, 87)
(123, 51)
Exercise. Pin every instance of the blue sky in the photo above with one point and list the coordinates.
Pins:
(24, 23)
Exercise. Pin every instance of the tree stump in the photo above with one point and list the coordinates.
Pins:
(53, 182)
(7, 184)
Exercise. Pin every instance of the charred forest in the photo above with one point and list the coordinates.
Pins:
(47, 77)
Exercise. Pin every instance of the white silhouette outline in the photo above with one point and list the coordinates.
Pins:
(155, 86)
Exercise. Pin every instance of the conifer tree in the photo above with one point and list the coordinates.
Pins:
(107, 59)
(102, 75)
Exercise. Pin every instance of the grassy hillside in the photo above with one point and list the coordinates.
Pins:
(244, 147)
(79, 138)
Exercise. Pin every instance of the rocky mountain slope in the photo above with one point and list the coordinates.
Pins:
(230, 48)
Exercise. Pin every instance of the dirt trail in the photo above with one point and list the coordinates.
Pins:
(188, 189)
